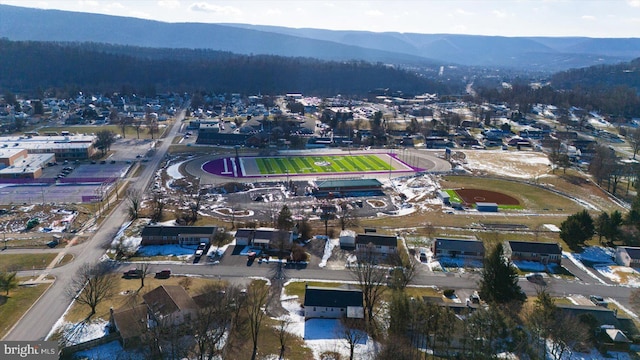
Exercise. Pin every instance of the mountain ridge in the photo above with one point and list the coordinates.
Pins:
(408, 49)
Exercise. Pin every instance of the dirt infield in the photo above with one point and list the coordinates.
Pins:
(472, 196)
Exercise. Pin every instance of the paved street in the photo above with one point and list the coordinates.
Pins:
(40, 319)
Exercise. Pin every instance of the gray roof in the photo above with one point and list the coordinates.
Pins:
(460, 244)
(332, 184)
(332, 297)
(376, 239)
(634, 252)
(244, 233)
(152, 230)
(535, 247)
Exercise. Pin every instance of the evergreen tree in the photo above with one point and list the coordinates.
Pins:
(499, 282)
(285, 221)
(577, 229)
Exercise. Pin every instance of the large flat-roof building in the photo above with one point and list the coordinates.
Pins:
(70, 147)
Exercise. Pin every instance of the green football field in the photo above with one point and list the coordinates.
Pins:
(322, 164)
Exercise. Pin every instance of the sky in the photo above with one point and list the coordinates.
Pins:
(591, 18)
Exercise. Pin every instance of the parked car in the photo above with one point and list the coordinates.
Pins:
(536, 278)
(163, 274)
(598, 300)
(132, 273)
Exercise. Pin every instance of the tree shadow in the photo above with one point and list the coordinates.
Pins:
(3, 299)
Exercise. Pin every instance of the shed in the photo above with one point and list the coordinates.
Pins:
(444, 196)
(486, 207)
(348, 239)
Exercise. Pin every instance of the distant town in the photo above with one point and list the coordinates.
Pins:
(337, 208)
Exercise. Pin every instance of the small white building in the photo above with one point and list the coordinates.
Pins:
(348, 239)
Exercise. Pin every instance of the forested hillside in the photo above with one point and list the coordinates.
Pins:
(25, 66)
(601, 76)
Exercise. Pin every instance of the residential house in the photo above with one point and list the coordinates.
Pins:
(381, 244)
(270, 238)
(458, 248)
(544, 253)
(263, 237)
(333, 303)
(166, 303)
(628, 256)
(170, 303)
(178, 235)
(130, 322)
(244, 237)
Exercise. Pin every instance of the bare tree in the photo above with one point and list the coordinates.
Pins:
(282, 330)
(214, 320)
(255, 303)
(353, 332)
(138, 125)
(93, 284)
(134, 203)
(348, 218)
(404, 273)
(157, 206)
(633, 138)
(371, 279)
(143, 269)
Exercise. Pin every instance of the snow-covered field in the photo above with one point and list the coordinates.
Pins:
(517, 164)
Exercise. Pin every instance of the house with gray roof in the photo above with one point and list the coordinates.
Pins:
(178, 235)
(381, 244)
(332, 303)
(458, 248)
(628, 256)
(544, 253)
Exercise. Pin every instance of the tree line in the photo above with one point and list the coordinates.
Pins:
(26, 66)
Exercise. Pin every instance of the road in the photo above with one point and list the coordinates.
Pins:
(42, 316)
(466, 282)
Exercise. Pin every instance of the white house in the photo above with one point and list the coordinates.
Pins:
(381, 244)
(628, 256)
(332, 303)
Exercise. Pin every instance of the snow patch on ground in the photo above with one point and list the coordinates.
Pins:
(518, 164)
(622, 275)
(179, 251)
(110, 350)
(173, 171)
(552, 227)
(596, 255)
(84, 331)
(328, 248)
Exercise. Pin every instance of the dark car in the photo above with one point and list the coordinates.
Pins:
(598, 300)
(163, 274)
(132, 273)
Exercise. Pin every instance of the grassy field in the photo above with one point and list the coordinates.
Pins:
(19, 262)
(126, 288)
(531, 197)
(321, 164)
(16, 304)
(130, 131)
